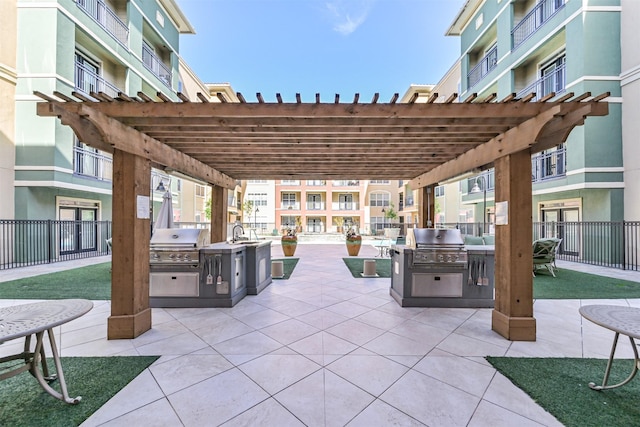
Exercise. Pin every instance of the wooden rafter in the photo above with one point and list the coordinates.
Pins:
(334, 140)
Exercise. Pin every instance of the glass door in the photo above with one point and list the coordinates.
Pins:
(78, 230)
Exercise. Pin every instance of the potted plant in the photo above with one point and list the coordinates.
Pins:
(354, 241)
(289, 242)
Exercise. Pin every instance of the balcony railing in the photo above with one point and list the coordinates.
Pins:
(92, 164)
(552, 82)
(482, 68)
(156, 66)
(345, 206)
(106, 18)
(88, 81)
(290, 206)
(315, 206)
(349, 183)
(549, 165)
(541, 13)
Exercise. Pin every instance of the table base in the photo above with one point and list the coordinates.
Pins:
(35, 357)
(636, 366)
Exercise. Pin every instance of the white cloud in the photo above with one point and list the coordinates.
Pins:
(348, 15)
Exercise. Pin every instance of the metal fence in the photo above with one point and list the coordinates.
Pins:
(31, 242)
(603, 243)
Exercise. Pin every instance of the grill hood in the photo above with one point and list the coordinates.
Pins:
(434, 237)
(180, 238)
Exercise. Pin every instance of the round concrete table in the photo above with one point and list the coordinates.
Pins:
(621, 320)
(25, 320)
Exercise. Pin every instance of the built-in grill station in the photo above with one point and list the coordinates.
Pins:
(434, 267)
(174, 265)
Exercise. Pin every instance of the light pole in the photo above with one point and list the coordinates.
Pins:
(255, 218)
(476, 189)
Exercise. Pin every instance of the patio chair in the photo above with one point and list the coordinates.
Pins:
(544, 254)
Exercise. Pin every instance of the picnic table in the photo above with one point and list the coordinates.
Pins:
(27, 320)
(621, 320)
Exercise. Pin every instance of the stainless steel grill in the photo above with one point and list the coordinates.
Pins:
(437, 247)
(177, 245)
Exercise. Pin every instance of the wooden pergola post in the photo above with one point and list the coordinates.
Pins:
(512, 316)
(426, 196)
(130, 312)
(218, 214)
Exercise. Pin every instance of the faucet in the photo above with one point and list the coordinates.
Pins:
(233, 232)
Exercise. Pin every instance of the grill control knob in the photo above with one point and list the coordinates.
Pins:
(187, 257)
(172, 256)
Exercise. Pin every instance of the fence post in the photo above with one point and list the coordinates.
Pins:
(623, 253)
(49, 241)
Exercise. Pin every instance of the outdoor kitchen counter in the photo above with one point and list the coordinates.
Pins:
(443, 285)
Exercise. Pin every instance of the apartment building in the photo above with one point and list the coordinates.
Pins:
(324, 206)
(93, 48)
(550, 48)
(8, 82)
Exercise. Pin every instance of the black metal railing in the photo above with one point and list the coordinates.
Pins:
(483, 67)
(541, 13)
(106, 18)
(32, 242)
(604, 243)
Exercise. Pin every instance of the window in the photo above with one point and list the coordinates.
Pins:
(290, 182)
(257, 181)
(289, 200)
(345, 202)
(314, 201)
(383, 181)
(379, 199)
(553, 77)
(439, 191)
(316, 183)
(377, 223)
(201, 190)
(258, 199)
(288, 221)
(87, 74)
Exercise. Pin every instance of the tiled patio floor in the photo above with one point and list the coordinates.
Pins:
(325, 349)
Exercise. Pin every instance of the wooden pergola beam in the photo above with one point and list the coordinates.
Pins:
(563, 115)
(129, 140)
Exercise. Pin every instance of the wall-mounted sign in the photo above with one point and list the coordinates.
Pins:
(502, 213)
(142, 207)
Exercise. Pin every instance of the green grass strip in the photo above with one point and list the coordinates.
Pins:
(287, 268)
(356, 266)
(560, 386)
(97, 379)
(570, 284)
(91, 282)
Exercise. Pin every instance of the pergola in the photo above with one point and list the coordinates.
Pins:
(222, 142)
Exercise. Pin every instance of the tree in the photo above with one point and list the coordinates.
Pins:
(390, 212)
(247, 208)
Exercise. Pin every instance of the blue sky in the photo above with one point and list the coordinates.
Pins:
(320, 46)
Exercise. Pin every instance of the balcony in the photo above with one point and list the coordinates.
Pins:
(106, 18)
(88, 81)
(482, 68)
(541, 13)
(552, 82)
(156, 66)
(87, 162)
(549, 165)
